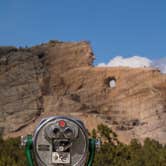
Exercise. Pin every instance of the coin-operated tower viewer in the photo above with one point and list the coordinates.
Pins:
(59, 141)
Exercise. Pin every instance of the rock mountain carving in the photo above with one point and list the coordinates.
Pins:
(58, 78)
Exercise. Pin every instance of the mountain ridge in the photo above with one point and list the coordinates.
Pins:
(58, 78)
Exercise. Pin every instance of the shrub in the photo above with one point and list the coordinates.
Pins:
(10, 153)
(151, 153)
(112, 152)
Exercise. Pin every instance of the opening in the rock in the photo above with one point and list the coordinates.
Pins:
(111, 82)
(41, 55)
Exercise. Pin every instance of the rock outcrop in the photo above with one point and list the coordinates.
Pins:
(58, 78)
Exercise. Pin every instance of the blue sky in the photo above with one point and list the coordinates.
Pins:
(114, 27)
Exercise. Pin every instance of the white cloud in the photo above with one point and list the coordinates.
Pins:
(135, 62)
(160, 64)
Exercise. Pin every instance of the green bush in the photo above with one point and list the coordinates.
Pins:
(10, 153)
(112, 152)
(151, 153)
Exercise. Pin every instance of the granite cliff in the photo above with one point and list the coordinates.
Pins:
(58, 78)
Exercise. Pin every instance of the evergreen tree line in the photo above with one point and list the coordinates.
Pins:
(111, 153)
(115, 153)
